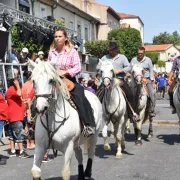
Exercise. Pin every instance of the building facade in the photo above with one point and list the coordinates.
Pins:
(167, 52)
(132, 21)
(108, 18)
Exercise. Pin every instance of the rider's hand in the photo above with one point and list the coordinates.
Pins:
(62, 72)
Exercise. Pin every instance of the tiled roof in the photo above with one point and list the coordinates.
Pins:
(126, 16)
(160, 47)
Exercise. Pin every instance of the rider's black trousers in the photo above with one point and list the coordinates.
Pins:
(130, 97)
(85, 110)
(170, 92)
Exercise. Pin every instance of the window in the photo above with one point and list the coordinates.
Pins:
(62, 19)
(71, 25)
(24, 6)
(43, 11)
(86, 33)
(79, 30)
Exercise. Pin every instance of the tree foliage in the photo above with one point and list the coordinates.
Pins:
(129, 40)
(153, 56)
(167, 38)
(97, 48)
(161, 63)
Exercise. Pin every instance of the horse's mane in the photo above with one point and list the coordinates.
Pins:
(46, 66)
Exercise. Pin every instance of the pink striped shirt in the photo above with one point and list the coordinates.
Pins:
(66, 60)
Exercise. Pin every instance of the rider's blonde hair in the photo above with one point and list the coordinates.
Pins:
(67, 42)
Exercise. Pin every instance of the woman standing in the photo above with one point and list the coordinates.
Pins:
(68, 65)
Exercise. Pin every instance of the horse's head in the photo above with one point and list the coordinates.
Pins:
(44, 82)
(107, 72)
(137, 73)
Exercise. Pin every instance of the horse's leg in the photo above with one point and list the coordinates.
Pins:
(128, 130)
(79, 157)
(119, 136)
(138, 129)
(67, 159)
(112, 130)
(91, 152)
(150, 133)
(41, 137)
(105, 136)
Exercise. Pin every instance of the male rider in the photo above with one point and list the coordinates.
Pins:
(121, 67)
(148, 75)
(175, 68)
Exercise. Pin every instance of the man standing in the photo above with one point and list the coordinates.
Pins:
(161, 85)
(148, 75)
(121, 67)
(175, 68)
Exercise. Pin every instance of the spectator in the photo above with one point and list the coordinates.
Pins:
(16, 117)
(97, 82)
(90, 84)
(29, 131)
(82, 82)
(24, 59)
(161, 85)
(3, 118)
(33, 58)
(40, 56)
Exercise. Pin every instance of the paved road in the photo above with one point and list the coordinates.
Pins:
(157, 159)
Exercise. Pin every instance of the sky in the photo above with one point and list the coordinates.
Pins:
(157, 15)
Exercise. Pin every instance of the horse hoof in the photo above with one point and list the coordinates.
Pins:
(118, 156)
(36, 178)
(150, 136)
(112, 136)
(87, 178)
(107, 148)
(138, 142)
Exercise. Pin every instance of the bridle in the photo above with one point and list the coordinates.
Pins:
(51, 111)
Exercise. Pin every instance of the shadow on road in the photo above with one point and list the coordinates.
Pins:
(74, 177)
(170, 139)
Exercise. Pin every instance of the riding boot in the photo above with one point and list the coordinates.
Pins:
(85, 110)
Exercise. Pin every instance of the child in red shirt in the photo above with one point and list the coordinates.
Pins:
(16, 117)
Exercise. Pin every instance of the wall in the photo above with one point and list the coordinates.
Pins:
(169, 54)
(135, 23)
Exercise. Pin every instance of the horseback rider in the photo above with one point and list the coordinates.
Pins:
(148, 75)
(121, 67)
(173, 73)
(68, 65)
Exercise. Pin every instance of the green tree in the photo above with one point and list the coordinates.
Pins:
(129, 40)
(167, 38)
(161, 63)
(153, 56)
(97, 48)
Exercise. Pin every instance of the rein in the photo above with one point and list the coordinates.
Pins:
(53, 104)
(105, 101)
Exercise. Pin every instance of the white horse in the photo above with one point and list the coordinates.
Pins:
(137, 74)
(176, 99)
(63, 123)
(114, 107)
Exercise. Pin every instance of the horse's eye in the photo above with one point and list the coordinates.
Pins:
(51, 81)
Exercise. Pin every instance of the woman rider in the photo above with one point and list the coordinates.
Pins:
(68, 65)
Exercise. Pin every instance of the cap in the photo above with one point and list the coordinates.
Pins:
(25, 50)
(113, 45)
(40, 52)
